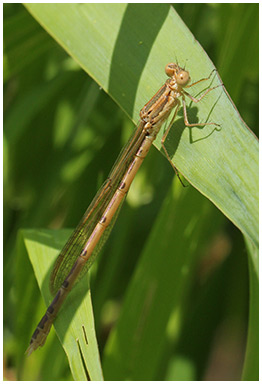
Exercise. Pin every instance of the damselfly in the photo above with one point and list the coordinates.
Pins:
(91, 233)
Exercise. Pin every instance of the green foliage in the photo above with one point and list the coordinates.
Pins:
(171, 284)
(83, 355)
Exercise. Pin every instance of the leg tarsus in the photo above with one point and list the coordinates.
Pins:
(204, 79)
(202, 96)
(164, 148)
(193, 124)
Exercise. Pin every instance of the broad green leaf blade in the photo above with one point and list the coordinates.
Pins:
(75, 323)
(125, 48)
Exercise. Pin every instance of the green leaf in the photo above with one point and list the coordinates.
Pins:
(126, 55)
(75, 323)
(251, 367)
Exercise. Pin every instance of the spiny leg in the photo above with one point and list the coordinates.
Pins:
(202, 96)
(199, 81)
(163, 143)
(185, 113)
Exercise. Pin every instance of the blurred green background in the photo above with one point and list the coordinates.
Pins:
(62, 135)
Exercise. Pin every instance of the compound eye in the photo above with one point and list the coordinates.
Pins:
(183, 78)
(170, 69)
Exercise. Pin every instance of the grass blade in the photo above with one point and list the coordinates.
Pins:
(80, 344)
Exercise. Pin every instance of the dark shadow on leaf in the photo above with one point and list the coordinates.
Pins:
(132, 48)
(175, 134)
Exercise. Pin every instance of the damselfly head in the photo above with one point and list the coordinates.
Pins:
(181, 75)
